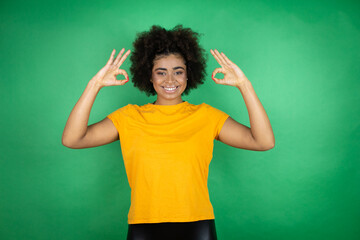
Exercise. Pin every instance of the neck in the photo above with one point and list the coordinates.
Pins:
(173, 102)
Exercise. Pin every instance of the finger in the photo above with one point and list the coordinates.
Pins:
(119, 56)
(220, 57)
(216, 57)
(217, 70)
(123, 58)
(124, 73)
(227, 60)
(111, 57)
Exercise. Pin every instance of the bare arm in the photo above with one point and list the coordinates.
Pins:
(77, 133)
(260, 136)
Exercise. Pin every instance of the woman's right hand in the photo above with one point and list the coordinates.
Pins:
(107, 75)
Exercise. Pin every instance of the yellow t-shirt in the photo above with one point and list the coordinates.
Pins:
(167, 150)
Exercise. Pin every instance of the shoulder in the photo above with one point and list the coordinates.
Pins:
(210, 109)
(135, 110)
(125, 110)
(131, 108)
(122, 109)
(208, 112)
(200, 106)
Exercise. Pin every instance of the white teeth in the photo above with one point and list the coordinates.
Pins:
(170, 89)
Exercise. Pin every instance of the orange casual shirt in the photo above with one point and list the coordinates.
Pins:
(167, 150)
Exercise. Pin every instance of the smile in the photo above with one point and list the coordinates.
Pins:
(170, 89)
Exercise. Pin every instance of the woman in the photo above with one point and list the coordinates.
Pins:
(167, 145)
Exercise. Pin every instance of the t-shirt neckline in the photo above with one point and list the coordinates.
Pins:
(169, 106)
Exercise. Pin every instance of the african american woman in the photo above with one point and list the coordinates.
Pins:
(167, 145)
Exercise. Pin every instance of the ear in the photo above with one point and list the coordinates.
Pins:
(151, 80)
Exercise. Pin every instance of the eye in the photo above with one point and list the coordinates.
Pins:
(161, 73)
(179, 73)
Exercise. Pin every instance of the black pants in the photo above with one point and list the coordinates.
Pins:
(199, 230)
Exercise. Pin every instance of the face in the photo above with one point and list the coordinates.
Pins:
(169, 78)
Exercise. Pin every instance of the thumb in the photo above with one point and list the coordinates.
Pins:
(121, 81)
(124, 73)
(217, 70)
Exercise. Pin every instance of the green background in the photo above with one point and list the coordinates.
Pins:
(301, 57)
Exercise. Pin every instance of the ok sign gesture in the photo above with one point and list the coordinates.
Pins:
(233, 76)
(107, 75)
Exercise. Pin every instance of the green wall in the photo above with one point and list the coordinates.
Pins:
(301, 57)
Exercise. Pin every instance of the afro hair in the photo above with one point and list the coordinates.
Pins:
(157, 42)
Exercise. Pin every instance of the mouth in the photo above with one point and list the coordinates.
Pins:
(170, 89)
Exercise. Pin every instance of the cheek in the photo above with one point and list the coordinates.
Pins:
(184, 81)
(181, 78)
(156, 84)
(153, 76)
(157, 78)
(184, 84)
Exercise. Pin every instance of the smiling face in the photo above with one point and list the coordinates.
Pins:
(169, 78)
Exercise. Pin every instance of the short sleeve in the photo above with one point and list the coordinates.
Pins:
(117, 117)
(218, 118)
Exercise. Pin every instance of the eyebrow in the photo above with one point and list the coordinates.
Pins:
(166, 69)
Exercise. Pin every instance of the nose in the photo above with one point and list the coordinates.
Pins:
(170, 78)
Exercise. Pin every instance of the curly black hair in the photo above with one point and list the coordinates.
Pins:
(158, 41)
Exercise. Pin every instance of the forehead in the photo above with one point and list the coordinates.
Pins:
(170, 60)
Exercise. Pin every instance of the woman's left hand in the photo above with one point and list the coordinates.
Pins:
(233, 76)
